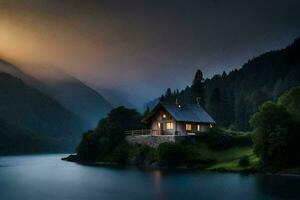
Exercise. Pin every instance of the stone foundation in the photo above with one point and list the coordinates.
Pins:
(154, 141)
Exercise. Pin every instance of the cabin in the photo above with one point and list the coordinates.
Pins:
(177, 119)
(171, 122)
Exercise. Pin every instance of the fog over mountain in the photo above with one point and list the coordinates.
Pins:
(139, 48)
(67, 90)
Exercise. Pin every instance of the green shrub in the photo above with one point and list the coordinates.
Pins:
(244, 161)
(170, 154)
(219, 139)
(120, 154)
(152, 155)
(144, 155)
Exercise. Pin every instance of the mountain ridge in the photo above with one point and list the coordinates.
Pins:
(69, 91)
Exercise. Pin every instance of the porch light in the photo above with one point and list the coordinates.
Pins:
(210, 126)
(164, 116)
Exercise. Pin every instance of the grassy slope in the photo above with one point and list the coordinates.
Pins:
(224, 159)
(233, 165)
(202, 151)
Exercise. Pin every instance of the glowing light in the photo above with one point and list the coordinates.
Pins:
(169, 126)
(198, 127)
(188, 127)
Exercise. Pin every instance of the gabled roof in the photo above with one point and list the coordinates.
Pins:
(185, 112)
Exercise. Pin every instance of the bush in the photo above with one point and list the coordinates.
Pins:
(120, 154)
(244, 161)
(170, 154)
(220, 140)
(144, 155)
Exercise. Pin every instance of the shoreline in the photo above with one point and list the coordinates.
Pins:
(73, 158)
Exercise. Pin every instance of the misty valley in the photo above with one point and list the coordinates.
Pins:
(149, 100)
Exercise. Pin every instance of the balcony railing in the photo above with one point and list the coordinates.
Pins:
(147, 132)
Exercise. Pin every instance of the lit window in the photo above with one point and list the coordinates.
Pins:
(164, 116)
(158, 125)
(198, 127)
(188, 127)
(169, 126)
(210, 126)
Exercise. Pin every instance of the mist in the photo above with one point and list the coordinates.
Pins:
(137, 49)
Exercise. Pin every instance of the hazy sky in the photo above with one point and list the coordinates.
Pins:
(142, 47)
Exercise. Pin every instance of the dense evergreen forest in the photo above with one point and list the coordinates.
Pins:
(232, 98)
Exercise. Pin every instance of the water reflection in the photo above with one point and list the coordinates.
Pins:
(157, 184)
(46, 177)
(287, 187)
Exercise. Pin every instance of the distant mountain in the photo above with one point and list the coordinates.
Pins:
(14, 71)
(151, 104)
(116, 98)
(232, 98)
(26, 107)
(75, 95)
(67, 90)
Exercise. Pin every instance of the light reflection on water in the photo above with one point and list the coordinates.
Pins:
(46, 177)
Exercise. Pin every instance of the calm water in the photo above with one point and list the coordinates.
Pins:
(46, 177)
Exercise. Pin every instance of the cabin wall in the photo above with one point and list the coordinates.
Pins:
(181, 128)
(163, 118)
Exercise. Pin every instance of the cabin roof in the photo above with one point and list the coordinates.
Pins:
(185, 112)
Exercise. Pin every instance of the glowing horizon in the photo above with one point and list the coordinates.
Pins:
(139, 49)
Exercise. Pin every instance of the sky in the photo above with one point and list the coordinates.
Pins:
(140, 48)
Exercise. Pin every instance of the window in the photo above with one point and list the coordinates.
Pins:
(198, 127)
(210, 126)
(169, 126)
(158, 125)
(188, 127)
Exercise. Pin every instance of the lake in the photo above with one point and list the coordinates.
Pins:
(46, 177)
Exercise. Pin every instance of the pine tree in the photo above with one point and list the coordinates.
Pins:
(214, 106)
(198, 86)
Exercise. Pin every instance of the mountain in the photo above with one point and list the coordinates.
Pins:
(150, 105)
(15, 140)
(74, 95)
(26, 107)
(66, 89)
(232, 98)
(116, 98)
(16, 72)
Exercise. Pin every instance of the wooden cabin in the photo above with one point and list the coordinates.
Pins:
(179, 119)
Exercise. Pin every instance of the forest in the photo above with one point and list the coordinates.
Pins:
(232, 98)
